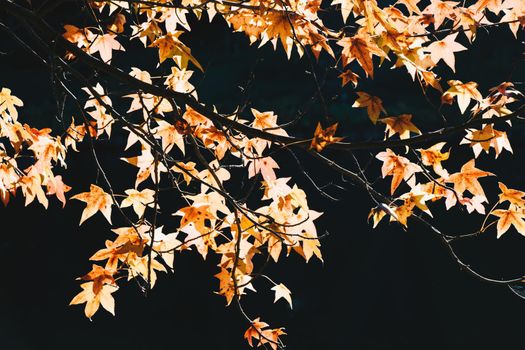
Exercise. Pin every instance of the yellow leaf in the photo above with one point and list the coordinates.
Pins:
(282, 292)
(511, 216)
(444, 50)
(96, 200)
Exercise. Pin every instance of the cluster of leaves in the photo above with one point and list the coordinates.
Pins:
(178, 142)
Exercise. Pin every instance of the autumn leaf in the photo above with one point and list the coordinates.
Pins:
(445, 49)
(187, 170)
(467, 179)
(360, 48)
(169, 135)
(254, 331)
(9, 103)
(378, 213)
(139, 200)
(399, 167)
(264, 166)
(105, 45)
(57, 187)
(100, 276)
(346, 7)
(485, 139)
(515, 197)
(401, 125)
(170, 46)
(282, 292)
(440, 10)
(512, 216)
(324, 137)
(348, 77)
(411, 5)
(474, 204)
(433, 156)
(196, 216)
(96, 200)
(373, 105)
(465, 92)
(259, 331)
(401, 214)
(94, 299)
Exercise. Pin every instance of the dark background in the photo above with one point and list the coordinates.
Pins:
(378, 289)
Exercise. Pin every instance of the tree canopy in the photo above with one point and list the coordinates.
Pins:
(125, 72)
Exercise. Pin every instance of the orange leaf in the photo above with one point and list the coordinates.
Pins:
(373, 105)
(96, 200)
(323, 138)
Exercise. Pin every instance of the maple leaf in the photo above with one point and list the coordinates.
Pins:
(323, 138)
(401, 214)
(445, 49)
(399, 167)
(411, 5)
(264, 166)
(440, 10)
(271, 336)
(373, 105)
(346, 7)
(467, 179)
(31, 185)
(9, 103)
(281, 27)
(512, 216)
(378, 213)
(401, 125)
(196, 216)
(164, 245)
(141, 75)
(360, 48)
(433, 156)
(484, 139)
(302, 224)
(94, 299)
(515, 197)
(495, 6)
(99, 276)
(178, 81)
(57, 187)
(170, 46)
(210, 177)
(96, 200)
(139, 200)
(514, 15)
(282, 292)
(146, 164)
(264, 120)
(464, 93)
(417, 197)
(105, 45)
(255, 330)
(259, 330)
(348, 76)
(474, 204)
(187, 170)
(129, 243)
(169, 135)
